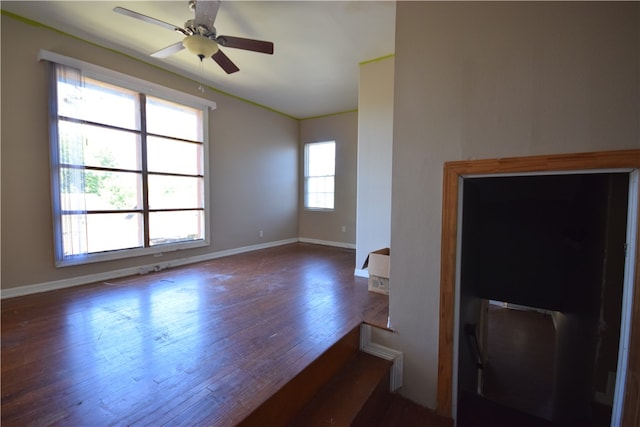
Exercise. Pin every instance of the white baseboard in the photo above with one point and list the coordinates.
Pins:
(361, 273)
(386, 353)
(66, 283)
(327, 243)
(142, 269)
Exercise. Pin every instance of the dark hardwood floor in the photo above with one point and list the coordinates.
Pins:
(204, 344)
(404, 413)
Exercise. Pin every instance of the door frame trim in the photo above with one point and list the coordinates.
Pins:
(454, 172)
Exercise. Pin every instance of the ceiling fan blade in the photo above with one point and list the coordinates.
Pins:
(149, 19)
(224, 62)
(168, 51)
(206, 11)
(246, 44)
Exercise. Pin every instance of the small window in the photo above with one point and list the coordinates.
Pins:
(319, 175)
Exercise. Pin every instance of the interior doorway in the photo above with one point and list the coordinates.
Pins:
(551, 249)
(625, 161)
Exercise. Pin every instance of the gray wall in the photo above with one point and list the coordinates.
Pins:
(254, 169)
(486, 80)
(375, 142)
(326, 226)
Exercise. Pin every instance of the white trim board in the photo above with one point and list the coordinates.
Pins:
(366, 346)
(143, 269)
(119, 78)
(361, 272)
(327, 243)
(627, 297)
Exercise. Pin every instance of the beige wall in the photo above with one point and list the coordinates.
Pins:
(324, 226)
(484, 80)
(375, 143)
(254, 169)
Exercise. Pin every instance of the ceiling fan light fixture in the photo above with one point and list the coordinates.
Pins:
(201, 46)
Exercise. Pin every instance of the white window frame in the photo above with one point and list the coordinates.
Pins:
(307, 176)
(146, 88)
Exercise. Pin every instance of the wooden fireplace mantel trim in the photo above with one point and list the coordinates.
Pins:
(453, 171)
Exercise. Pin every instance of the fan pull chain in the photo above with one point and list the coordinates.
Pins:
(200, 87)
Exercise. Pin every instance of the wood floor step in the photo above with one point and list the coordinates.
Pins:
(352, 397)
(280, 408)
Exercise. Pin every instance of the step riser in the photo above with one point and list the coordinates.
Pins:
(283, 406)
(356, 395)
(376, 406)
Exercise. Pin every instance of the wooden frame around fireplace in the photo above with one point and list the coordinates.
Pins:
(453, 172)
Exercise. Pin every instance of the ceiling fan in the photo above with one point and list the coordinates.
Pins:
(201, 38)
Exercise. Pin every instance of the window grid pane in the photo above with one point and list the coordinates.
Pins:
(173, 156)
(92, 233)
(99, 146)
(99, 190)
(177, 226)
(174, 120)
(99, 102)
(170, 192)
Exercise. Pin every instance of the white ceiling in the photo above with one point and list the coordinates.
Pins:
(314, 68)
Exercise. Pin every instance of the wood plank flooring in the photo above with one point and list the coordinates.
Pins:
(405, 413)
(204, 344)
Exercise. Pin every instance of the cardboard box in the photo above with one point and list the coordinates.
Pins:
(377, 263)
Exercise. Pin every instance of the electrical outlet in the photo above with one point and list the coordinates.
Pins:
(344, 228)
(261, 234)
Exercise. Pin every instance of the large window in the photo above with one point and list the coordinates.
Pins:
(319, 175)
(128, 169)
